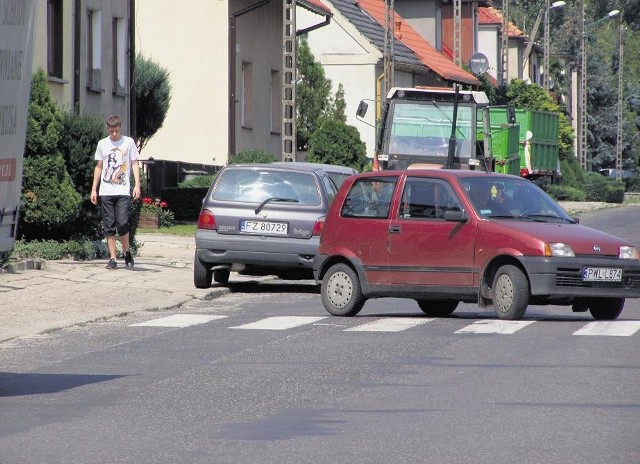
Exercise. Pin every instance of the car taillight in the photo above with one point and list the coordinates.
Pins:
(317, 227)
(206, 220)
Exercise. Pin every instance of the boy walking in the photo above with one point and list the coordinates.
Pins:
(116, 157)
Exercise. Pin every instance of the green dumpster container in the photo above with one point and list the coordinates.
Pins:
(539, 145)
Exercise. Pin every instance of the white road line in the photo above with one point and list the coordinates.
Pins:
(497, 327)
(279, 323)
(179, 320)
(392, 324)
(610, 328)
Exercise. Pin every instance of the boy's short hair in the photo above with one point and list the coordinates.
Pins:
(114, 121)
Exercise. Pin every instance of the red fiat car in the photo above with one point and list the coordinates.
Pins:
(443, 237)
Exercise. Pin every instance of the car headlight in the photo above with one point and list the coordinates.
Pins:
(558, 249)
(628, 252)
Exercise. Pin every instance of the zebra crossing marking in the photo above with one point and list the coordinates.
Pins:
(610, 328)
(394, 324)
(179, 320)
(495, 327)
(279, 323)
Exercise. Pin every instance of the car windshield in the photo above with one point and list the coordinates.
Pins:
(259, 185)
(512, 198)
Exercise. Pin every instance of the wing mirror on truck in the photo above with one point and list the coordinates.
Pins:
(362, 109)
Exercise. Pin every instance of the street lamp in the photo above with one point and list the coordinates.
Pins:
(546, 68)
(543, 11)
(584, 158)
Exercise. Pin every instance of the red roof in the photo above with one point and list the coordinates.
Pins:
(491, 15)
(431, 58)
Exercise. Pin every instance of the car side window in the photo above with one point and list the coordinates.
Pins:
(424, 198)
(369, 197)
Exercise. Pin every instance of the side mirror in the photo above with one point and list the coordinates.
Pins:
(362, 109)
(452, 215)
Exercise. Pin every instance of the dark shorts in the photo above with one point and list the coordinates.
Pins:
(115, 214)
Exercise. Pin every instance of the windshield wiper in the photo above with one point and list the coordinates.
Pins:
(264, 202)
(544, 217)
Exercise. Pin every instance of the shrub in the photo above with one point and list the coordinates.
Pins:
(199, 181)
(564, 193)
(52, 249)
(336, 142)
(599, 188)
(252, 156)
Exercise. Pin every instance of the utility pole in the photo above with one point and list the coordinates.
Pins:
(583, 90)
(457, 32)
(505, 43)
(620, 101)
(288, 130)
(388, 58)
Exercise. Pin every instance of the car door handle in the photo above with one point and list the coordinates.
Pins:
(394, 229)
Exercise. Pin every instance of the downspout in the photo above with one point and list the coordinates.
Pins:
(132, 68)
(77, 7)
(232, 71)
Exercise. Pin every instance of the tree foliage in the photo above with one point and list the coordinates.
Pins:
(153, 98)
(252, 156)
(49, 199)
(336, 142)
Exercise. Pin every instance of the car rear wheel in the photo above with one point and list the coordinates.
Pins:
(201, 273)
(437, 308)
(221, 276)
(605, 309)
(510, 293)
(340, 291)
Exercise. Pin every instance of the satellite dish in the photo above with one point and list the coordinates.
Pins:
(479, 63)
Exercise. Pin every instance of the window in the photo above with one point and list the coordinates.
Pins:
(427, 198)
(54, 38)
(369, 197)
(119, 55)
(247, 95)
(94, 50)
(276, 101)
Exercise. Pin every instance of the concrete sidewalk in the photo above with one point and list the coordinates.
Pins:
(65, 293)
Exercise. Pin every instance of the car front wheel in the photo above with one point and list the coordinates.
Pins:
(605, 309)
(510, 293)
(202, 274)
(437, 308)
(340, 291)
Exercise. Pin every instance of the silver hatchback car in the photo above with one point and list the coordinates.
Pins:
(262, 219)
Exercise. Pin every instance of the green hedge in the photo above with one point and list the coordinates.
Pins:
(184, 202)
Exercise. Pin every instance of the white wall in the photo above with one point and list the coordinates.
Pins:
(191, 41)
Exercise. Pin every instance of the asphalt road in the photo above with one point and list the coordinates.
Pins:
(265, 375)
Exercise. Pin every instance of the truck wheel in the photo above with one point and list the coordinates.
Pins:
(437, 308)
(605, 309)
(510, 293)
(221, 276)
(201, 273)
(340, 291)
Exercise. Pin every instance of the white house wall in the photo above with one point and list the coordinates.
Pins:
(194, 49)
(488, 43)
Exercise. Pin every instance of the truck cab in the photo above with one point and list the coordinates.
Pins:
(416, 127)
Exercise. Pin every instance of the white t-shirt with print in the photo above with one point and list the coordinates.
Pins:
(116, 165)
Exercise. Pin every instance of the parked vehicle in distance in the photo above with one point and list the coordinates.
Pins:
(443, 237)
(261, 219)
(612, 173)
(338, 174)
